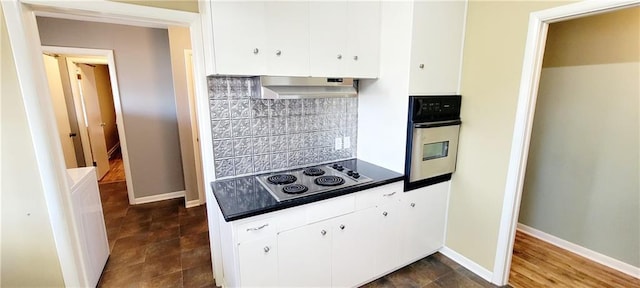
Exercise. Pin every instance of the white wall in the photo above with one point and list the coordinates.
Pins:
(28, 251)
(383, 103)
(583, 176)
(146, 90)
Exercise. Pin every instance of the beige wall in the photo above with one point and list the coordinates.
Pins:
(28, 252)
(143, 68)
(582, 182)
(600, 39)
(492, 66)
(183, 5)
(107, 110)
(179, 40)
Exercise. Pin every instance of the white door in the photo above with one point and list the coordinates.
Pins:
(287, 36)
(388, 237)
(258, 262)
(194, 123)
(328, 38)
(363, 45)
(304, 256)
(354, 249)
(94, 119)
(60, 110)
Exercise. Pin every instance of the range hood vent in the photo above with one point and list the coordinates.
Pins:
(271, 87)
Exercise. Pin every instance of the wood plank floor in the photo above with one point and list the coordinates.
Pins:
(537, 263)
(116, 170)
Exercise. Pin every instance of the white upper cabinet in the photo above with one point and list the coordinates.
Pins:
(239, 39)
(344, 38)
(287, 34)
(297, 38)
(436, 49)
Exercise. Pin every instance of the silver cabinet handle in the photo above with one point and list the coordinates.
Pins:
(266, 249)
(339, 56)
(390, 194)
(385, 213)
(413, 204)
(355, 58)
(341, 227)
(256, 50)
(278, 52)
(421, 66)
(323, 232)
(257, 228)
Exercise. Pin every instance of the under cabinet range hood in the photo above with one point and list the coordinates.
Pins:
(274, 87)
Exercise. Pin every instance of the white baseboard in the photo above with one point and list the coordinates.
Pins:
(466, 263)
(582, 251)
(192, 203)
(160, 197)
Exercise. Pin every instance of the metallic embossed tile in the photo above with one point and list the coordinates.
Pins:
(295, 141)
(219, 109)
(221, 129)
(295, 107)
(278, 143)
(278, 125)
(278, 108)
(243, 165)
(239, 87)
(260, 126)
(261, 163)
(261, 145)
(241, 127)
(240, 109)
(260, 108)
(352, 105)
(324, 154)
(307, 140)
(224, 168)
(242, 146)
(295, 158)
(219, 87)
(279, 161)
(309, 156)
(309, 107)
(294, 124)
(222, 149)
(341, 121)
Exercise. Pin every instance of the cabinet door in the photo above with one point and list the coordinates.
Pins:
(287, 35)
(436, 47)
(304, 256)
(363, 45)
(387, 239)
(353, 253)
(258, 262)
(423, 215)
(239, 38)
(328, 35)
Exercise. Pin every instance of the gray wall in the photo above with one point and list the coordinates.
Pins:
(143, 68)
(583, 176)
(254, 135)
(29, 256)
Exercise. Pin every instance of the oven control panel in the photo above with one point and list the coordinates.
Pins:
(434, 108)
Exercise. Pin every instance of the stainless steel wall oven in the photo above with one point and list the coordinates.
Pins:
(433, 127)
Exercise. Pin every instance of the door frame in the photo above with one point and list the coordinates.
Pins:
(79, 55)
(193, 107)
(20, 17)
(527, 96)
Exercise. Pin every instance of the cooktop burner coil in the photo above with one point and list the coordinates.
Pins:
(329, 180)
(295, 189)
(282, 179)
(313, 171)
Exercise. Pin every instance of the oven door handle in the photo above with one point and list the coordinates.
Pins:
(437, 124)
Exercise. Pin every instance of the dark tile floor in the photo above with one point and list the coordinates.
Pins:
(435, 271)
(161, 244)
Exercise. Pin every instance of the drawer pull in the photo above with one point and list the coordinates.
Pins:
(257, 228)
(388, 195)
(323, 232)
(385, 213)
(266, 249)
(413, 204)
(341, 227)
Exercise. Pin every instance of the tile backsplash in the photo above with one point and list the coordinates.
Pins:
(251, 136)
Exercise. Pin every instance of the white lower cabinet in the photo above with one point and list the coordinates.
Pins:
(342, 247)
(304, 256)
(259, 262)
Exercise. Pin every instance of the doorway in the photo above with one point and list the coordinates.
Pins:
(84, 89)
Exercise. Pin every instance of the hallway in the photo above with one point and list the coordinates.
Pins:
(159, 244)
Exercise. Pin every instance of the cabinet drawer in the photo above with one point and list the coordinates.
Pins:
(331, 208)
(256, 229)
(379, 195)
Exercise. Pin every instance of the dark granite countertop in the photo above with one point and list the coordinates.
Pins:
(243, 197)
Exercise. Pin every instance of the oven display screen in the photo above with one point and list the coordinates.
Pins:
(435, 150)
